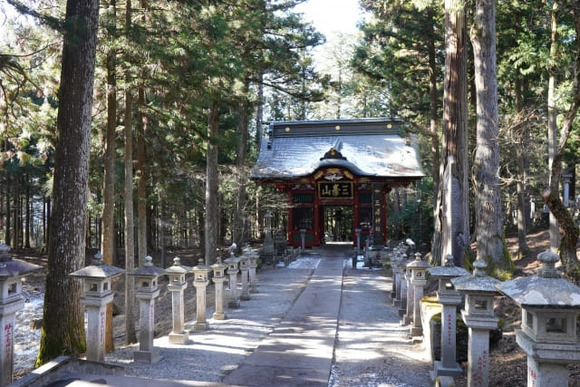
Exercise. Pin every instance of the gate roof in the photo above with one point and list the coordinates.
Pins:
(370, 147)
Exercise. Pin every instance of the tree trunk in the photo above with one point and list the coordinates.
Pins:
(553, 119)
(130, 334)
(108, 215)
(454, 134)
(433, 104)
(240, 235)
(141, 181)
(141, 173)
(212, 182)
(488, 210)
(551, 196)
(63, 321)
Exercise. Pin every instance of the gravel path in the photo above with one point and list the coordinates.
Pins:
(372, 348)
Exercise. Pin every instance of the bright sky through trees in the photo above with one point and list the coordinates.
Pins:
(332, 17)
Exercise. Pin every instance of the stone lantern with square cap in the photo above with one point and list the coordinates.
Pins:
(449, 299)
(234, 300)
(96, 280)
(479, 317)
(244, 269)
(219, 270)
(253, 266)
(146, 291)
(200, 282)
(418, 269)
(11, 301)
(177, 284)
(550, 307)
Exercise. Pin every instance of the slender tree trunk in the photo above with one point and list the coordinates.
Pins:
(130, 333)
(488, 210)
(239, 216)
(551, 196)
(141, 181)
(212, 183)
(553, 119)
(63, 322)
(108, 214)
(454, 135)
(141, 173)
(433, 105)
(523, 164)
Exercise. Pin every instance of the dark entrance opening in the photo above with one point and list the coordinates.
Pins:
(338, 223)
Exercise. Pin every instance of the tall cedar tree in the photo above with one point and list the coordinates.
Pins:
(551, 195)
(63, 322)
(486, 165)
(454, 135)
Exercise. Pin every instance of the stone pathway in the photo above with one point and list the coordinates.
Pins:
(372, 348)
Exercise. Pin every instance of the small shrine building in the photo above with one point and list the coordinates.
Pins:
(337, 174)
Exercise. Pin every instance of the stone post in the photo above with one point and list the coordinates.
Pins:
(418, 269)
(200, 281)
(394, 261)
(11, 301)
(96, 279)
(399, 279)
(405, 281)
(303, 238)
(233, 299)
(253, 266)
(550, 307)
(357, 231)
(408, 311)
(479, 317)
(147, 290)
(244, 268)
(449, 299)
(176, 286)
(219, 270)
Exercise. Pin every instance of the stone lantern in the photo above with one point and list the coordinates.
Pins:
(200, 281)
(418, 269)
(11, 301)
(146, 291)
(244, 269)
(98, 293)
(479, 318)
(449, 299)
(550, 307)
(177, 284)
(219, 270)
(253, 266)
(234, 301)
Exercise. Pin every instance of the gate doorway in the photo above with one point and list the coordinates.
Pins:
(338, 221)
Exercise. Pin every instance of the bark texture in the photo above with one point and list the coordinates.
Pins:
(63, 322)
(486, 166)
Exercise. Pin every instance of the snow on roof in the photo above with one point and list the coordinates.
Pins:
(370, 147)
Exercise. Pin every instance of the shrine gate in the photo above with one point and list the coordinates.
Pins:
(336, 174)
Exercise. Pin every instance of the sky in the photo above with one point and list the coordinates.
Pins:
(332, 17)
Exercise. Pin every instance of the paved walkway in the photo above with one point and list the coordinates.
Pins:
(328, 325)
(299, 351)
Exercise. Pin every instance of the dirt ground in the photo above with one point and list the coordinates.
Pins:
(508, 366)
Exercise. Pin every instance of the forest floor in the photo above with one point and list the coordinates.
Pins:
(508, 364)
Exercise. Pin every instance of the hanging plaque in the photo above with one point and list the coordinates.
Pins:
(335, 190)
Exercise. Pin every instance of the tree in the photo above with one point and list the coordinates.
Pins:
(63, 322)
(454, 139)
(488, 209)
(551, 195)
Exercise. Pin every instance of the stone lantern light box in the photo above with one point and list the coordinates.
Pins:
(97, 277)
(549, 303)
(146, 277)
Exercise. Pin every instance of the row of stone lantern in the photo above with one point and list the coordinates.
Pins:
(97, 279)
(550, 306)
